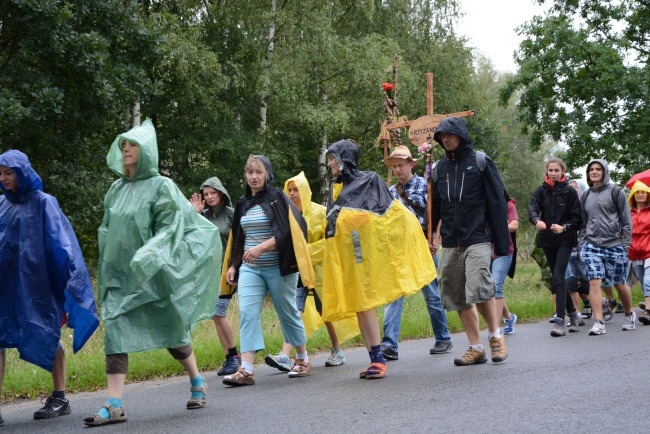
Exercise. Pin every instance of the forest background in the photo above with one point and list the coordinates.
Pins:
(224, 79)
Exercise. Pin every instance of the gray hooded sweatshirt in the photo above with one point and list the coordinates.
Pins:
(603, 224)
(221, 215)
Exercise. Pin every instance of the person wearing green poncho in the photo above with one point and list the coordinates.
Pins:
(158, 268)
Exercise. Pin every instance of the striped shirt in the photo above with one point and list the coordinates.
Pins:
(257, 229)
(416, 189)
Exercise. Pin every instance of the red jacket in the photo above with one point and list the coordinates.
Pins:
(640, 245)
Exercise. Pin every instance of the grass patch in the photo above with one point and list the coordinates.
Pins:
(525, 295)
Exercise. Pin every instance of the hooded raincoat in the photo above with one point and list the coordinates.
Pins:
(314, 215)
(43, 273)
(374, 249)
(640, 245)
(158, 258)
(221, 215)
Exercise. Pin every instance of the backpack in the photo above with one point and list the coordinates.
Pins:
(616, 191)
(480, 163)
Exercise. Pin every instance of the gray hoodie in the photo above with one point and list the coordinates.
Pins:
(221, 215)
(603, 225)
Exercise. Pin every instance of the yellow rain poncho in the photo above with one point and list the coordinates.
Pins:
(158, 258)
(314, 214)
(374, 249)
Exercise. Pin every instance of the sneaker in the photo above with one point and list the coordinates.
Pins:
(471, 357)
(552, 319)
(597, 329)
(239, 378)
(279, 361)
(300, 369)
(574, 320)
(336, 358)
(389, 354)
(645, 318)
(628, 322)
(441, 347)
(498, 349)
(559, 329)
(53, 407)
(581, 320)
(374, 371)
(510, 324)
(642, 305)
(230, 366)
(586, 311)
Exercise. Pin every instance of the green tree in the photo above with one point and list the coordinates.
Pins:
(583, 73)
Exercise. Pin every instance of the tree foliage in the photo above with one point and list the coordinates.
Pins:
(583, 73)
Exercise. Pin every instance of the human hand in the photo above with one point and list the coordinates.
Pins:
(197, 202)
(251, 255)
(540, 225)
(230, 276)
(557, 229)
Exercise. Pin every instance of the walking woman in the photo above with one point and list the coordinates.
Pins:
(555, 211)
(266, 250)
(639, 253)
(158, 268)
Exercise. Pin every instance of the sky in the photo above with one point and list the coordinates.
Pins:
(490, 27)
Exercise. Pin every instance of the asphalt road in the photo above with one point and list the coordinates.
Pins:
(577, 383)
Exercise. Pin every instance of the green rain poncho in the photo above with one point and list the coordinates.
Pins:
(158, 258)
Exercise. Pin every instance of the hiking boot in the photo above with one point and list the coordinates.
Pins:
(53, 407)
(195, 403)
(645, 318)
(642, 305)
(559, 329)
(279, 361)
(586, 311)
(389, 354)
(441, 347)
(374, 371)
(597, 329)
(230, 366)
(239, 378)
(628, 322)
(471, 357)
(510, 324)
(336, 358)
(116, 415)
(574, 320)
(498, 349)
(300, 369)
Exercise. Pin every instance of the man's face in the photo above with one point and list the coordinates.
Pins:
(402, 169)
(596, 173)
(450, 142)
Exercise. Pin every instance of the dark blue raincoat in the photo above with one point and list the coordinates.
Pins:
(43, 275)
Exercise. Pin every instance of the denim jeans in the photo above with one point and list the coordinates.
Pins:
(643, 274)
(499, 270)
(437, 315)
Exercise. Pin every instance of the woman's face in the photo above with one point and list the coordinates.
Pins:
(294, 195)
(641, 197)
(333, 164)
(212, 196)
(554, 172)
(256, 177)
(130, 155)
(8, 179)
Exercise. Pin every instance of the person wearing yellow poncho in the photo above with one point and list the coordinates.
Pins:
(374, 250)
(158, 268)
(299, 192)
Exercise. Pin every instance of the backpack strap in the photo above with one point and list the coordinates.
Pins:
(616, 192)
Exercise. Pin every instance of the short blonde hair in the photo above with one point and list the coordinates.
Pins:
(254, 163)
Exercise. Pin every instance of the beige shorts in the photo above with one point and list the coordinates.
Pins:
(464, 277)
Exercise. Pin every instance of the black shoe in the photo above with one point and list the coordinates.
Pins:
(620, 308)
(53, 407)
(2, 421)
(231, 366)
(441, 347)
(389, 354)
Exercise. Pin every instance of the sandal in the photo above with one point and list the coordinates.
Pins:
(116, 415)
(195, 403)
(375, 370)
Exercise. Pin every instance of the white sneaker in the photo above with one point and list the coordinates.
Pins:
(336, 358)
(597, 329)
(628, 322)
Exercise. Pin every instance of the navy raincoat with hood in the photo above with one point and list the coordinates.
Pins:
(43, 276)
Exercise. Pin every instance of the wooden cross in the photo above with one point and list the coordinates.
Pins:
(420, 130)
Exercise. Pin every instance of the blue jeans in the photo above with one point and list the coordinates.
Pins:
(437, 315)
(499, 270)
(643, 274)
(253, 285)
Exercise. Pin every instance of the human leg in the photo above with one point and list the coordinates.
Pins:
(117, 366)
(643, 274)
(226, 338)
(336, 358)
(369, 327)
(198, 388)
(57, 404)
(392, 326)
(437, 313)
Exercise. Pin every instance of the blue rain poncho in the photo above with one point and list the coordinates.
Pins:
(158, 258)
(43, 273)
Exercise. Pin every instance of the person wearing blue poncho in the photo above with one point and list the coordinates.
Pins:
(158, 268)
(45, 282)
